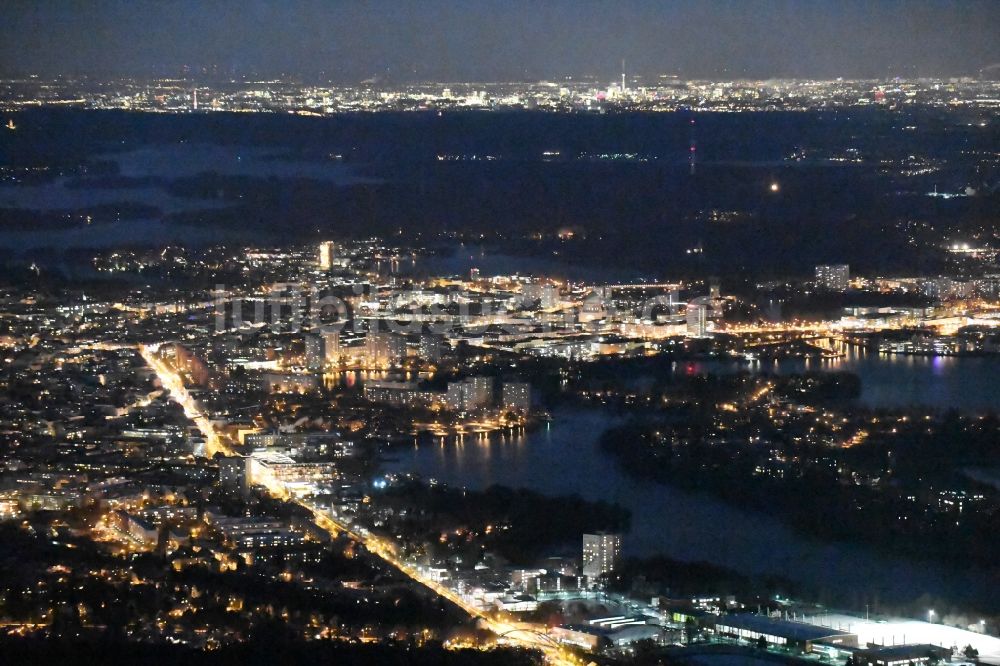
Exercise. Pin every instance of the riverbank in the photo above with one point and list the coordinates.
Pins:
(564, 457)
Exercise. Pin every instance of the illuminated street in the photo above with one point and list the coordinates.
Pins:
(520, 634)
(500, 334)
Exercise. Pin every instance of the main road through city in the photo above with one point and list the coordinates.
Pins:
(521, 634)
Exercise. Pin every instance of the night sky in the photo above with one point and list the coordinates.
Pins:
(477, 40)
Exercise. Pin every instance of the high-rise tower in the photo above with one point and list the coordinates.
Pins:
(693, 148)
(601, 553)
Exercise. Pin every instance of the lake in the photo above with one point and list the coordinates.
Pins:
(564, 457)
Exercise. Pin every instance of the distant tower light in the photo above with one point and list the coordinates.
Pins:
(775, 187)
(693, 149)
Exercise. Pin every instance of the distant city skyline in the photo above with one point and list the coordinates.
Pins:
(490, 41)
(500, 333)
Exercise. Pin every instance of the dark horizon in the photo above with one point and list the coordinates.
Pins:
(488, 41)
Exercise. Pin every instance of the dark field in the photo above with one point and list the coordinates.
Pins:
(852, 186)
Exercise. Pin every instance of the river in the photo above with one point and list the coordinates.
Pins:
(564, 457)
(943, 382)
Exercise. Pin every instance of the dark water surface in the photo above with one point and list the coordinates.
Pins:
(565, 457)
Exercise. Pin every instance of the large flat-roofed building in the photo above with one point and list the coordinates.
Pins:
(900, 655)
(139, 529)
(401, 394)
(233, 473)
(697, 319)
(383, 349)
(617, 631)
(307, 445)
(601, 553)
(516, 395)
(277, 470)
(835, 277)
(331, 346)
(252, 533)
(783, 632)
(431, 347)
(329, 252)
(314, 357)
(470, 394)
(898, 631)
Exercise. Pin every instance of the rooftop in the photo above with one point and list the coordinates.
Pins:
(798, 631)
